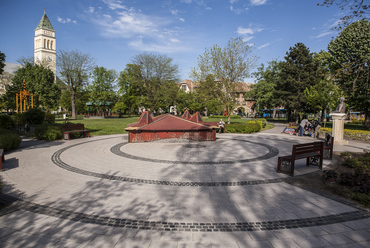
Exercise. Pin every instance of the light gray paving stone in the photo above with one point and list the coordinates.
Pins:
(336, 228)
(183, 244)
(364, 244)
(337, 239)
(133, 243)
(5, 231)
(282, 243)
(252, 244)
(102, 241)
(224, 244)
(312, 241)
(163, 244)
(358, 235)
(356, 225)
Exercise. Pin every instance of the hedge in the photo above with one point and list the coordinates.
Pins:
(9, 140)
(49, 132)
(242, 128)
(225, 117)
(352, 134)
(6, 121)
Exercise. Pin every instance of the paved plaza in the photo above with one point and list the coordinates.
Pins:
(105, 192)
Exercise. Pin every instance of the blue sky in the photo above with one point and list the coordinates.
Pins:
(114, 31)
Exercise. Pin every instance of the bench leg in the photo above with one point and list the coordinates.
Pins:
(285, 166)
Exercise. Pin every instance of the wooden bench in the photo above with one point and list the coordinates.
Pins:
(328, 146)
(2, 159)
(312, 152)
(74, 128)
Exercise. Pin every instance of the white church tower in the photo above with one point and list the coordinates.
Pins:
(45, 44)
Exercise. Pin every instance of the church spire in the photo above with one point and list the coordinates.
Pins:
(45, 23)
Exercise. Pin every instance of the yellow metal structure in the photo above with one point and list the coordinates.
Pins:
(24, 97)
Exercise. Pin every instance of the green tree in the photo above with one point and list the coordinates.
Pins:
(297, 73)
(102, 87)
(322, 96)
(40, 82)
(82, 97)
(228, 67)
(356, 8)
(130, 89)
(2, 62)
(264, 91)
(350, 65)
(155, 70)
(74, 69)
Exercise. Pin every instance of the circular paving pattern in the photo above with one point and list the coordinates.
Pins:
(116, 149)
(125, 154)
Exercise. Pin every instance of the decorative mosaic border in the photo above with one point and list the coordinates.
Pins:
(272, 152)
(181, 226)
(116, 150)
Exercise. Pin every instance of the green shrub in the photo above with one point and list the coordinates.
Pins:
(48, 132)
(225, 117)
(18, 118)
(49, 118)
(9, 140)
(34, 116)
(6, 121)
(242, 128)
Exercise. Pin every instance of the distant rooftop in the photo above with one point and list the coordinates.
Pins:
(11, 67)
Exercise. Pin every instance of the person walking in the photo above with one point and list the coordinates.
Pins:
(304, 122)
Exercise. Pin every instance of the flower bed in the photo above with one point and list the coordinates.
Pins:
(352, 134)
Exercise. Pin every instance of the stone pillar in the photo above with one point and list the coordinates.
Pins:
(338, 128)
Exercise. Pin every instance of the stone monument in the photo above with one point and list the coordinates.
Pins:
(338, 117)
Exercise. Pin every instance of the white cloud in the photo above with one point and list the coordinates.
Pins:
(247, 38)
(233, 1)
(323, 34)
(114, 4)
(258, 2)
(91, 10)
(264, 45)
(169, 47)
(174, 12)
(68, 20)
(186, 1)
(251, 30)
(107, 16)
(182, 19)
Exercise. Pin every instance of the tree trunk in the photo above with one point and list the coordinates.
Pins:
(73, 103)
(274, 113)
(228, 114)
(129, 111)
(367, 119)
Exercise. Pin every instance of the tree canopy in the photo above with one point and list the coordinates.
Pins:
(40, 82)
(297, 72)
(350, 65)
(2, 62)
(155, 72)
(130, 89)
(228, 67)
(356, 8)
(102, 87)
(74, 69)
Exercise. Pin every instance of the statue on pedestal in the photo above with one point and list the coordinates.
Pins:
(341, 108)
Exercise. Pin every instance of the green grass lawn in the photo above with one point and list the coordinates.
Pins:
(104, 126)
(117, 125)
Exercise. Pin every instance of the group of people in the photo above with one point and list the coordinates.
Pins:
(313, 127)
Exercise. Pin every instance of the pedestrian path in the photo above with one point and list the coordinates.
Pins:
(104, 192)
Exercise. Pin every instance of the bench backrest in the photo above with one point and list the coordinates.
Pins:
(307, 148)
(73, 127)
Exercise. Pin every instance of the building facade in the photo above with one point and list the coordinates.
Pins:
(45, 44)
